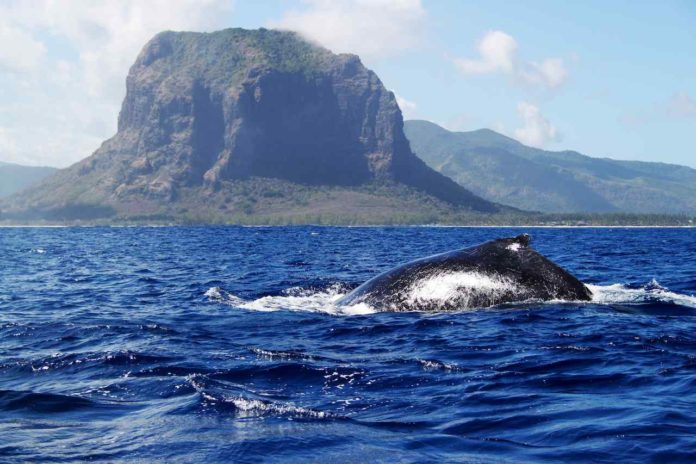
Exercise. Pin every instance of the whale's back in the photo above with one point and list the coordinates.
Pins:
(499, 271)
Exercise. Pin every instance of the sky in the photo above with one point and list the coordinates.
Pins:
(608, 79)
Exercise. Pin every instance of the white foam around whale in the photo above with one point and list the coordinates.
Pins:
(294, 299)
(440, 288)
(651, 293)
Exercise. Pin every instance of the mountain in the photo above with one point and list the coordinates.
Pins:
(15, 177)
(209, 118)
(503, 170)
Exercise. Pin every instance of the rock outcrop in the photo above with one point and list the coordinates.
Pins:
(206, 109)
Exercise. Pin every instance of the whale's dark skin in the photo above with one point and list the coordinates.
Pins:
(500, 271)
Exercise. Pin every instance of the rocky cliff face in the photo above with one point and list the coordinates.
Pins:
(203, 110)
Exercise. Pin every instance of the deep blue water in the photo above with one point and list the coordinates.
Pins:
(221, 344)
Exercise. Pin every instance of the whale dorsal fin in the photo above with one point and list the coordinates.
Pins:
(512, 243)
(522, 239)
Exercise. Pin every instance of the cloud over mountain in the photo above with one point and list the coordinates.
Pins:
(498, 54)
(369, 28)
(536, 130)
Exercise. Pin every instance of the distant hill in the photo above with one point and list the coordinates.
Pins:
(503, 170)
(14, 177)
(241, 122)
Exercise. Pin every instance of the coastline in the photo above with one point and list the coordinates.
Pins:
(348, 226)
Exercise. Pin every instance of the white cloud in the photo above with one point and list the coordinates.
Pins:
(550, 73)
(497, 51)
(408, 108)
(369, 28)
(498, 54)
(19, 51)
(681, 105)
(69, 104)
(536, 131)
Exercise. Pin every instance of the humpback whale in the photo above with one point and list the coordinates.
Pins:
(499, 271)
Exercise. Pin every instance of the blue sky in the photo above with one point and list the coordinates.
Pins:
(612, 79)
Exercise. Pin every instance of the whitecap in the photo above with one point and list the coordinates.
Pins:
(214, 293)
(255, 407)
(429, 365)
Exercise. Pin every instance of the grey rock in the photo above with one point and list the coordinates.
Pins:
(206, 109)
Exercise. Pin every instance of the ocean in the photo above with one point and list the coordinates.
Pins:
(223, 344)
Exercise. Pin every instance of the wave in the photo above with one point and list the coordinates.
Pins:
(250, 407)
(444, 288)
(15, 400)
(85, 360)
(433, 364)
(272, 355)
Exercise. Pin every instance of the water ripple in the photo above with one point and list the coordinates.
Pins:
(216, 344)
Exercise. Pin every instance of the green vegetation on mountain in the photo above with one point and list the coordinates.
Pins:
(501, 169)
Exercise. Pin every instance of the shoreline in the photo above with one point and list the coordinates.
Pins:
(251, 226)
